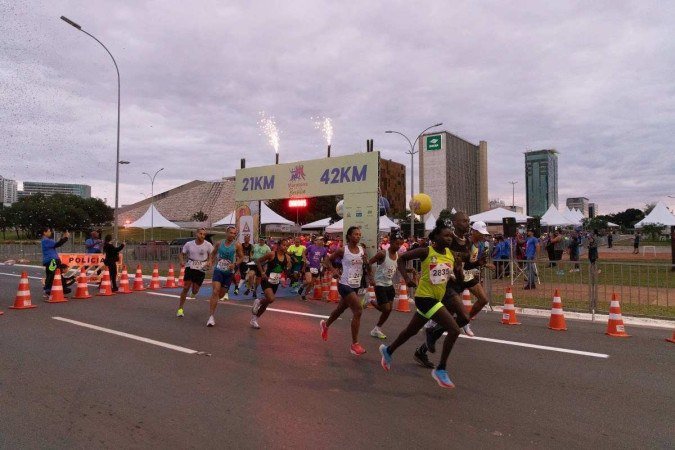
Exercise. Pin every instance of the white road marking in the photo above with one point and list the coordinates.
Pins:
(535, 346)
(129, 336)
(18, 275)
(284, 311)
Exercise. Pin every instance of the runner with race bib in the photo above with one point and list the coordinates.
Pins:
(315, 262)
(227, 257)
(197, 252)
(277, 262)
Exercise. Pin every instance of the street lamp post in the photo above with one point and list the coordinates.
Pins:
(152, 202)
(513, 194)
(117, 157)
(412, 152)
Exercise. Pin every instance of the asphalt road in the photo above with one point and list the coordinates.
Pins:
(65, 385)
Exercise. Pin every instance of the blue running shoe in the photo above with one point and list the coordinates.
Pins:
(442, 378)
(386, 357)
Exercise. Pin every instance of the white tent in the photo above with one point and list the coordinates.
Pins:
(496, 215)
(386, 224)
(571, 216)
(613, 225)
(430, 223)
(152, 219)
(230, 219)
(659, 214)
(553, 218)
(318, 224)
(268, 216)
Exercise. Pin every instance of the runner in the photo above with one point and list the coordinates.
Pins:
(227, 256)
(247, 248)
(353, 260)
(384, 284)
(316, 261)
(296, 252)
(198, 253)
(277, 262)
(259, 250)
(438, 265)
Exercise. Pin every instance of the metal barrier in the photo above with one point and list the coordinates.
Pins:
(643, 289)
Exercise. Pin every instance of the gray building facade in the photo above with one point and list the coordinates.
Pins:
(541, 181)
(453, 172)
(36, 187)
(8, 191)
(580, 203)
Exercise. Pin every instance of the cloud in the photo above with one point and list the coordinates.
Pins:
(593, 81)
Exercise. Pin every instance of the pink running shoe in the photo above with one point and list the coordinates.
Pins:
(357, 350)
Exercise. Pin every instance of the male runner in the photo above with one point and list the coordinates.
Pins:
(197, 252)
(277, 262)
(247, 248)
(296, 252)
(385, 293)
(227, 256)
(259, 250)
(315, 259)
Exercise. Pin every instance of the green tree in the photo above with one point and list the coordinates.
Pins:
(628, 218)
(653, 230)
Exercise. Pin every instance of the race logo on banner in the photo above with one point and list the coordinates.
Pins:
(245, 228)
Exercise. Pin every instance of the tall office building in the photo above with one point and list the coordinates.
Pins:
(592, 210)
(580, 203)
(541, 181)
(8, 191)
(453, 172)
(36, 187)
(392, 185)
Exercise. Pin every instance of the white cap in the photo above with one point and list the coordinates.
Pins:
(480, 227)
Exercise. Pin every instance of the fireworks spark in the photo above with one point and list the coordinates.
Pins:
(269, 127)
(325, 125)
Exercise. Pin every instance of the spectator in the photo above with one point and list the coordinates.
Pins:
(636, 243)
(574, 251)
(610, 239)
(94, 243)
(531, 251)
(558, 248)
(50, 258)
(112, 256)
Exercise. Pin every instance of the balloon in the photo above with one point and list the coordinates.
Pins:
(339, 208)
(421, 204)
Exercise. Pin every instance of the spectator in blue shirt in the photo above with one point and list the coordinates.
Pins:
(50, 258)
(94, 243)
(531, 251)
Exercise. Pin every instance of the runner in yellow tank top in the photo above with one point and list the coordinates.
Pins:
(438, 265)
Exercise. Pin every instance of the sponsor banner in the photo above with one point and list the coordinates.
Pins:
(314, 178)
(246, 228)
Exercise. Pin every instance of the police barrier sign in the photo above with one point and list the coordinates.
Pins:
(314, 178)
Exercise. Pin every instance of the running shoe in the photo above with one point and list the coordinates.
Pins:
(247, 291)
(356, 349)
(256, 306)
(302, 288)
(211, 322)
(442, 378)
(225, 297)
(422, 359)
(386, 357)
(431, 343)
(377, 333)
(236, 290)
(254, 323)
(180, 313)
(467, 330)
(324, 330)
(304, 298)
(192, 295)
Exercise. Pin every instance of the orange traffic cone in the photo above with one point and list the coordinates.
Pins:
(82, 291)
(325, 287)
(333, 295)
(105, 288)
(466, 301)
(56, 294)
(154, 282)
(124, 282)
(672, 339)
(138, 279)
(181, 283)
(403, 304)
(170, 278)
(557, 320)
(22, 300)
(615, 326)
(317, 293)
(509, 310)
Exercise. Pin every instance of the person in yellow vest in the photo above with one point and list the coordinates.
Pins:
(438, 266)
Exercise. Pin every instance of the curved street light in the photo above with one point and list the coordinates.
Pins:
(412, 152)
(152, 202)
(117, 158)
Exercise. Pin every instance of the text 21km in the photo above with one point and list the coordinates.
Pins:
(347, 174)
(258, 183)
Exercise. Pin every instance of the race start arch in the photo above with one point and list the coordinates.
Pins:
(357, 177)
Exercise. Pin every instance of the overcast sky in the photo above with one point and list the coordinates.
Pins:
(594, 80)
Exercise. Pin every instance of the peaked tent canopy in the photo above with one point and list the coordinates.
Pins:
(495, 216)
(318, 224)
(230, 219)
(571, 216)
(659, 215)
(386, 224)
(152, 219)
(268, 216)
(554, 218)
(430, 223)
